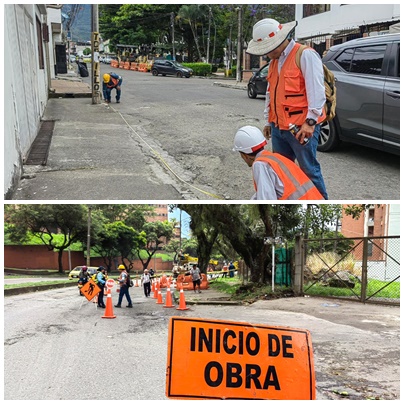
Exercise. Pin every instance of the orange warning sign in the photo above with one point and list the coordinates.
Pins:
(219, 359)
(90, 290)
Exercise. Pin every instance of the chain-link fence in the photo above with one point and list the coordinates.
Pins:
(366, 268)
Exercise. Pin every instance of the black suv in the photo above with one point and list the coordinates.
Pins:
(367, 73)
(258, 83)
(170, 67)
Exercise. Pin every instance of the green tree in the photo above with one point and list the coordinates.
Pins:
(156, 234)
(44, 221)
(119, 240)
(245, 227)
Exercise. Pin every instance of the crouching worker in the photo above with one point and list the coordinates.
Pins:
(275, 176)
(111, 80)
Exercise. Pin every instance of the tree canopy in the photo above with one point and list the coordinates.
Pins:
(199, 29)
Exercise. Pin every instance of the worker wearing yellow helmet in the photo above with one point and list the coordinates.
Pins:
(111, 80)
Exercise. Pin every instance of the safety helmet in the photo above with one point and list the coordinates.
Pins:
(249, 139)
(121, 266)
(269, 34)
(84, 268)
(106, 78)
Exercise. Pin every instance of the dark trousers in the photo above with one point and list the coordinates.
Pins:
(124, 290)
(147, 289)
(101, 296)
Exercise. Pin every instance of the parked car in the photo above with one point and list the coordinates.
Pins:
(170, 67)
(367, 72)
(74, 273)
(257, 85)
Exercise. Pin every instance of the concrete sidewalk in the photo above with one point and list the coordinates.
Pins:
(95, 155)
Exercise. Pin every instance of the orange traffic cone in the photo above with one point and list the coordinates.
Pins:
(109, 311)
(159, 297)
(169, 300)
(156, 288)
(137, 283)
(182, 305)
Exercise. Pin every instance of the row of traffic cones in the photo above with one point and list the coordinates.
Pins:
(169, 301)
(109, 311)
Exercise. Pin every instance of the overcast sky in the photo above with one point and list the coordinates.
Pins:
(185, 219)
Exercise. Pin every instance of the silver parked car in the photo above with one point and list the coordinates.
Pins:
(367, 72)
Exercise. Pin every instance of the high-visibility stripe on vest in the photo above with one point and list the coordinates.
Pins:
(112, 83)
(288, 97)
(297, 186)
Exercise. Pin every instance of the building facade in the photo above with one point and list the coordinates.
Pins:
(383, 254)
(324, 25)
(31, 35)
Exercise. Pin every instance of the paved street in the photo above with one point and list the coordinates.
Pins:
(57, 346)
(171, 139)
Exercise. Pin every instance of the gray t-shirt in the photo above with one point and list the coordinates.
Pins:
(195, 273)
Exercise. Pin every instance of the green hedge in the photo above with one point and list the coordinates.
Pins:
(200, 69)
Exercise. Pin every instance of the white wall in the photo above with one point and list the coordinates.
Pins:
(53, 16)
(343, 17)
(26, 87)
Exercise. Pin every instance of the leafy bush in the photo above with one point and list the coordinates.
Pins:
(200, 69)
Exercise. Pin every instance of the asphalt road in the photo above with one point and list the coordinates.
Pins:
(178, 146)
(57, 346)
(195, 121)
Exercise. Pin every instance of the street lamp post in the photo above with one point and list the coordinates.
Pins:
(239, 40)
(273, 241)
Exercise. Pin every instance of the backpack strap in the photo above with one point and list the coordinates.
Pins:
(299, 54)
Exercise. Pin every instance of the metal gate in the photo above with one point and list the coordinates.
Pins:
(363, 268)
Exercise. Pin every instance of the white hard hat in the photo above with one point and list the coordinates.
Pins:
(249, 139)
(268, 34)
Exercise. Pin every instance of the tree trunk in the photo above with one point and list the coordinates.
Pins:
(60, 261)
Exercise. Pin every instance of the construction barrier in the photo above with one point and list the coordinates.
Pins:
(134, 66)
(163, 281)
(121, 64)
(126, 66)
(114, 63)
(185, 282)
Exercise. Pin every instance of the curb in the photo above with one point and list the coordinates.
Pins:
(235, 86)
(214, 302)
(70, 95)
(31, 289)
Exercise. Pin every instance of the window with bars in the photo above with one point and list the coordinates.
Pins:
(313, 9)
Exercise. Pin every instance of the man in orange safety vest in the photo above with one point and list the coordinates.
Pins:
(274, 176)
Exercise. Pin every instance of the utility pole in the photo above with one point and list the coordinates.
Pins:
(239, 40)
(95, 60)
(172, 27)
(208, 45)
(89, 236)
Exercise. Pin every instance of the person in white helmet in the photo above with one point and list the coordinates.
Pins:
(295, 95)
(275, 176)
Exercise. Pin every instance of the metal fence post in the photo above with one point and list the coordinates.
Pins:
(298, 277)
(364, 284)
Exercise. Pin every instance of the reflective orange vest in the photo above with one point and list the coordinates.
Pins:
(297, 186)
(288, 97)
